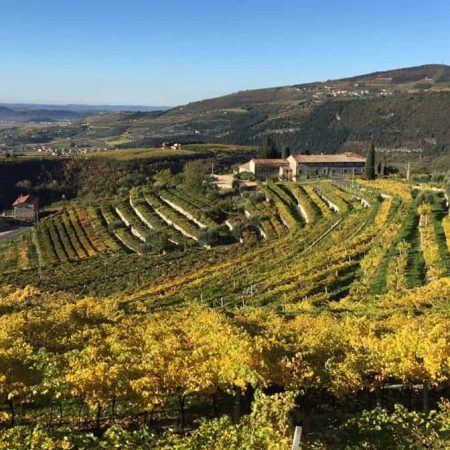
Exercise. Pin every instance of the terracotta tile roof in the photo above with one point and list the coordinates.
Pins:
(245, 166)
(21, 199)
(339, 158)
(271, 162)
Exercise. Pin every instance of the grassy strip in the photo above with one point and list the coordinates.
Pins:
(150, 216)
(172, 215)
(182, 192)
(330, 193)
(56, 239)
(416, 271)
(374, 210)
(32, 251)
(415, 265)
(389, 250)
(8, 257)
(262, 214)
(270, 212)
(117, 227)
(438, 213)
(287, 209)
(133, 223)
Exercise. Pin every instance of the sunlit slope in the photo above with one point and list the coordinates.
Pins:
(295, 245)
(377, 240)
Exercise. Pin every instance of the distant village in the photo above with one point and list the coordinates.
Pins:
(70, 150)
(52, 150)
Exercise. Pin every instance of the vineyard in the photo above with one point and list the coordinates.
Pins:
(125, 321)
(142, 223)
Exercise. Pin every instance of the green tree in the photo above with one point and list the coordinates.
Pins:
(285, 152)
(162, 178)
(156, 240)
(370, 163)
(194, 174)
(268, 149)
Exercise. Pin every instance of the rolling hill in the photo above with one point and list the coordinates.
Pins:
(30, 112)
(404, 111)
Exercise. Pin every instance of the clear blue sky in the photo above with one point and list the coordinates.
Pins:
(169, 52)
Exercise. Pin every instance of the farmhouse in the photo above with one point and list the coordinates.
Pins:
(302, 166)
(26, 208)
(348, 163)
(266, 168)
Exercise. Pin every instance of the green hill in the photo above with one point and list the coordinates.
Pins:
(404, 110)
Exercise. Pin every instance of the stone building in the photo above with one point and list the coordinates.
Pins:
(303, 166)
(26, 208)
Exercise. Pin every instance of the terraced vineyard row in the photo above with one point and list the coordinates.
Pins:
(278, 261)
(19, 253)
(372, 243)
(143, 223)
(377, 243)
(338, 291)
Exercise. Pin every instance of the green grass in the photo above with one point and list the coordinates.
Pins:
(156, 152)
(416, 264)
(416, 270)
(439, 210)
(215, 148)
(139, 153)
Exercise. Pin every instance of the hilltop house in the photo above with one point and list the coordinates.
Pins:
(26, 208)
(302, 166)
(267, 168)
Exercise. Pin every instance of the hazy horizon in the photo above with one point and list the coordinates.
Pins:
(136, 105)
(44, 103)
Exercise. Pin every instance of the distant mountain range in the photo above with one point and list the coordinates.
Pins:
(30, 112)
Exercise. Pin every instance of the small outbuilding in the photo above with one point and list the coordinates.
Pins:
(26, 208)
(267, 168)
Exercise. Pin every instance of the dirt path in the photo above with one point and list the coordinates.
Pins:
(5, 235)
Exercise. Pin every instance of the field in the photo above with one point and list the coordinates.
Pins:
(126, 320)
(139, 153)
(156, 153)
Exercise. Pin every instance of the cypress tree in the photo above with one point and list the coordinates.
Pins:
(268, 149)
(285, 152)
(370, 163)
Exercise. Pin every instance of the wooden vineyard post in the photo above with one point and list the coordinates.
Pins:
(426, 397)
(297, 438)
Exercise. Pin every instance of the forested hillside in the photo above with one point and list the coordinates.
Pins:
(405, 111)
(94, 174)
